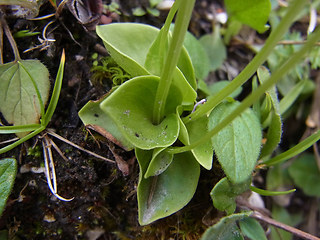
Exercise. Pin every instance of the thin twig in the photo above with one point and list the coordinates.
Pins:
(10, 38)
(295, 231)
(292, 42)
(50, 169)
(78, 147)
(9, 141)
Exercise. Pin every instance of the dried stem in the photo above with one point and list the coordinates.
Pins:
(295, 231)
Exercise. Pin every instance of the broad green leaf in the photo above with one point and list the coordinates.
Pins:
(128, 44)
(218, 86)
(252, 229)
(198, 55)
(224, 194)
(131, 108)
(167, 193)
(156, 58)
(226, 228)
(215, 49)
(306, 175)
(8, 171)
(24, 90)
(282, 215)
(92, 116)
(160, 161)
(204, 152)
(250, 12)
(237, 146)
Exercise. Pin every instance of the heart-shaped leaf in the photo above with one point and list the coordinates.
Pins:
(204, 152)
(8, 171)
(131, 108)
(237, 146)
(24, 90)
(163, 195)
(92, 116)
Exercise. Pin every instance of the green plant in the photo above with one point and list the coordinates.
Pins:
(8, 171)
(156, 112)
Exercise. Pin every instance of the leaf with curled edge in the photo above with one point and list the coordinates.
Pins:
(24, 90)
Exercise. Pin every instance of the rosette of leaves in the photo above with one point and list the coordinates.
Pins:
(133, 117)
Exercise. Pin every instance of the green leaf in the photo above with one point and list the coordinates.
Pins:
(131, 107)
(237, 146)
(250, 12)
(282, 215)
(8, 171)
(198, 55)
(306, 175)
(24, 90)
(204, 152)
(226, 228)
(218, 86)
(138, 11)
(214, 48)
(224, 194)
(275, 126)
(157, 54)
(163, 195)
(128, 44)
(160, 161)
(92, 116)
(252, 229)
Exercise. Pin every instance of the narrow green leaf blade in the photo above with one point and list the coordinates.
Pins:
(237, 146)
(8, 171)
(163, 195)
(21, 85)
(131, 108)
